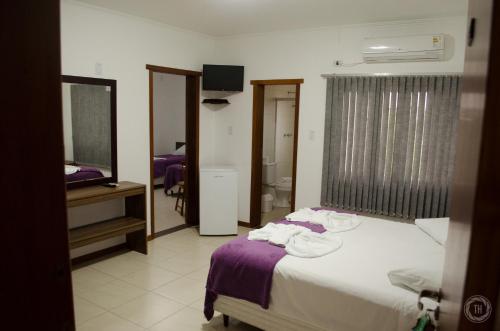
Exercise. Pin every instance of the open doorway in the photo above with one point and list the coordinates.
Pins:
(274, 149)
(174, 118)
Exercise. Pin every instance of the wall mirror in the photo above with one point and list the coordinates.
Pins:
(89, 119)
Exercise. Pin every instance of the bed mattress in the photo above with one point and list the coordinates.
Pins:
(349, 289)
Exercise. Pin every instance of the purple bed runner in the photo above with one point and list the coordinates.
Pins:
(84, 173)
(173, 175)
(243, 269)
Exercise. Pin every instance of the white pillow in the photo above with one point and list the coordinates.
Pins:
(437, 228)
(180, 150)
(416, 278)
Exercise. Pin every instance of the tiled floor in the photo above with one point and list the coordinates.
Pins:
(275, 214)
(165, 215)
(163, 291)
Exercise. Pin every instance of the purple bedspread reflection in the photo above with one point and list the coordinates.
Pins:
(243, 269)
(84, 173)
(163, 161)
(173, 175)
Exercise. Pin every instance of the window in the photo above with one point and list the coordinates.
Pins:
(389, 144)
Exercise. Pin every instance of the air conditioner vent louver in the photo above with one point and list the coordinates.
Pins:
(404, 49)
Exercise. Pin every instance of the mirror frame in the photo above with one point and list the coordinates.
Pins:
(114, 165)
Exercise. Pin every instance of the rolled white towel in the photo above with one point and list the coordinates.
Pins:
(263, 233)
(331, 220)
(312, 244)
(301, 215)
(341, 222)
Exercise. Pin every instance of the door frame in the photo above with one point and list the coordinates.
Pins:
(473, 244)
(192, 145)
(257, 143)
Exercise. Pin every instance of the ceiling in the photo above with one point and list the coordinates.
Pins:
(234, 17)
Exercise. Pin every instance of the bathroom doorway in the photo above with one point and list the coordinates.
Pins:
(274, 149)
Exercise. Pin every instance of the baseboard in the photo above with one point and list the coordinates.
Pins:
(87, 259)
(168, 231)
(245, 224)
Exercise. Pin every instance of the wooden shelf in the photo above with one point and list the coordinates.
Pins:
(92, 233)
(132, 224)
(97, 193)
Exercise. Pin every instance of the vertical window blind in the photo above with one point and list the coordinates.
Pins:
(389, 144)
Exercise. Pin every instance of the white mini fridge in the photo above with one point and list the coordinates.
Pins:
(218, 200)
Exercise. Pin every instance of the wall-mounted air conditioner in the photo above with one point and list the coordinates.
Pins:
(404, 49)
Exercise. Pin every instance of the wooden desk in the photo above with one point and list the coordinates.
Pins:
(132, 224)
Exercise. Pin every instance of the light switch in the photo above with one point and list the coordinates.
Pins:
(98, 69)
(230, 130)
(312, 135)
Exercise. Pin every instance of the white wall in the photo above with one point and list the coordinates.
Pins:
(169, 112)
(123, 45)
(285, 120)
(308, 54)
(271, 93)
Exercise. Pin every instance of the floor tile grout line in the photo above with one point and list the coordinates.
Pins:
(194, 304)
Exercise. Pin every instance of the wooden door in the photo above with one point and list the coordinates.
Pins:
(36, 281)
(472, 267)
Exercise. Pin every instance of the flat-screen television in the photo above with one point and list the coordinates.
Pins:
(222, 78)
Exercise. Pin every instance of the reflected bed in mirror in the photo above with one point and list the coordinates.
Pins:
(89, 119)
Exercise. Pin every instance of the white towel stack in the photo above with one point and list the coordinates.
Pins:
(331, 220)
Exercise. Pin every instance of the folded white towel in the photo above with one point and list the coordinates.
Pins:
(331, 220)
(276, 234)
(312, 244)
(297, 240)
(69, 169)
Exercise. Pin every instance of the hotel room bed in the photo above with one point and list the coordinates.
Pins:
(84, 173)
(348, 289)
(162, 162)
(173, 175)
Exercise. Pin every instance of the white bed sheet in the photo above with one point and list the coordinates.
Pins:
(349, 290)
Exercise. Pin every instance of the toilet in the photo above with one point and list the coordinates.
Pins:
(283, 190)
(280, 189)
